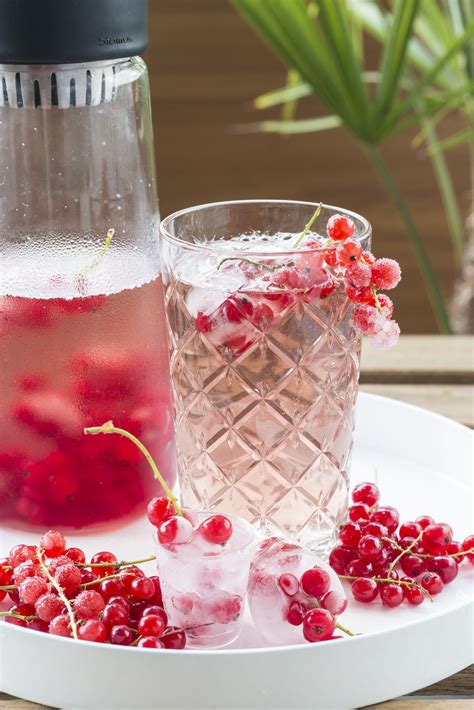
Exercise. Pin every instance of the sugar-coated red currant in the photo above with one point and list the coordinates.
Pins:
(318, 625)
(216, 529)
(61, 626)
(31, 589)
(315, 582)
(391, 595)
(367, 493)
(88, 604)
(436, 538)
(21, 553)
(68, 576)
(52, 543)
(386, 273)
(364, 590)
(340, 227)
(48, 606)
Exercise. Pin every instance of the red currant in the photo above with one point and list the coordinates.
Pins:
(150, 642)
(364, 590)
(151, 625)
(60, 626)
(334, 601)
(48, 606)
(359, 513)
(387, 516)
(424, 521)
(367, 493)
(289, 584)
(412, 565)
(350, 534)
(160, 509)
(175, 530)
(115, 615)
(432, 582)
(359, 568)
(315, 582)
(436, 538)
(174, 638)
(446, 567)
(76, 555)
(454, 548)
(100, 558)
(468, 547)
(93, 630)
(369, 547)
(348, 252)
(216, 529)
(391, 595)
(121, 635)
(339, 558)
(376, 529)
(413, 595)
(31, 589)
(142, 588)
(318, 625)
(410, 529)
(295, 614)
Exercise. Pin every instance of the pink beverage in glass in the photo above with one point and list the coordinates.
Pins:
(68, 362)
(204, 584)
(265, 365)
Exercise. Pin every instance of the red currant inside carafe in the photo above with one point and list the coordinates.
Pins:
(82, 329)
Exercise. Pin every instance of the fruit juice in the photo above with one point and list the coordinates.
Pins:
(77, 350)
(265, 366)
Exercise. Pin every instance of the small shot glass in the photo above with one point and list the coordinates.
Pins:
(204, 585)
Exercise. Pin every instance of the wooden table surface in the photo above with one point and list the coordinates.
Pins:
(437, 373)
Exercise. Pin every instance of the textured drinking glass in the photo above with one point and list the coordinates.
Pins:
(264, 364)
(204, 585)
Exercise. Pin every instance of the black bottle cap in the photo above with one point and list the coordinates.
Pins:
(69, 31)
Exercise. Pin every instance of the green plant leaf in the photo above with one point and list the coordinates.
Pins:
(304, 125)
(281, 96)
(464, 136)
(393, 57)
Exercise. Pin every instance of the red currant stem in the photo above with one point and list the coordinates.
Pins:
(60, 592)
(308, 226)
(99, 257)
(116, 565)
(15, 615)
(402, 553)
(426, 556)
(93, 582)
(109, 428)
(386, 580)
(188, 628)
(8, 588)
(343, 629)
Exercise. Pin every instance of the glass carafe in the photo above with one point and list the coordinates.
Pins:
(82, 335)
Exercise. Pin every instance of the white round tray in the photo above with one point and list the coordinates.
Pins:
(423, 463)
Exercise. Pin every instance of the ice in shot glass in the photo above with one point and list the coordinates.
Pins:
(204, 585)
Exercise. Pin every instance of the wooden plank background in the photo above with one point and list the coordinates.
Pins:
(206, 65)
